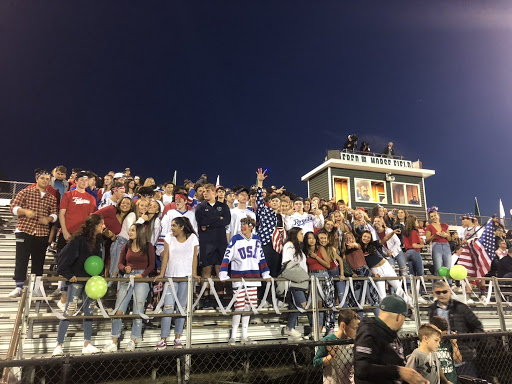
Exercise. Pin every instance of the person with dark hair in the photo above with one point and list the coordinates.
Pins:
(85, 242)
(381, 268)
(113, 196)
(246, 259)
(413, 244)
(138, 261)
(179, 259)
(36, 209)
(439, 235)
(118, 220)
(168, 195)
(448, 352)
(301, 219)
(337, 361)
(212, 218)
(365, 148)
(292, 252)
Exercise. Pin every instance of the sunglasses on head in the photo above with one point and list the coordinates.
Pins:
(441, 292)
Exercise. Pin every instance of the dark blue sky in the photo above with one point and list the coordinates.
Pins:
(225, 87)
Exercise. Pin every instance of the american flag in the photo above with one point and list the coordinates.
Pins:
(477, 254)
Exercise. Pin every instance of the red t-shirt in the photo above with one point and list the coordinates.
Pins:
(437, 239)
(110, 219)
(414, 238)
(313, 264)
(137, 260)
(381, 234)
(78, 207)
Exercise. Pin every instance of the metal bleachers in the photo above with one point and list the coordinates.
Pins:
(40, 338)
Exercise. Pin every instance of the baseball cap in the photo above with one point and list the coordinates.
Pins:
(242, 190)
(394, 304)
(118, 175)
(158, 189)
(220, 187)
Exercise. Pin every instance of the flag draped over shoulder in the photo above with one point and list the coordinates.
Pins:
(478, 253)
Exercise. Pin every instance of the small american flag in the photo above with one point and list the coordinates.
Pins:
(477, 254)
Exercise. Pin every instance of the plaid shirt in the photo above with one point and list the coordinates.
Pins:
(30, 198)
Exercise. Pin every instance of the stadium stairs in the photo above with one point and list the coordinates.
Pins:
(207, 330)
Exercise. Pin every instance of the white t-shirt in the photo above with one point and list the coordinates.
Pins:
(306, 222)
(181, 256)
(289, 255)
(166, 199)
(128, 221)
(234, 227)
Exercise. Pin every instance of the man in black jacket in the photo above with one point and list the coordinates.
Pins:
(212, 217)
(378, 352)
(461, 319)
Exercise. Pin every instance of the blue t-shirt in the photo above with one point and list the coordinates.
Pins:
(59, 186)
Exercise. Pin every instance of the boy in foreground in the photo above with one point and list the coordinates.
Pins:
(337, 360)
(424, 358)
(448, 352)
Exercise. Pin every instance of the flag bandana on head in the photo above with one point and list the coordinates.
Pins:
(41, 172)
(477, 254)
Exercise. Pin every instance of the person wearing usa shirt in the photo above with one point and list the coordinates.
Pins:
(36, 209)
(306, 221)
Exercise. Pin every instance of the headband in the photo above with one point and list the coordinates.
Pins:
(181, 196)
(41, 172)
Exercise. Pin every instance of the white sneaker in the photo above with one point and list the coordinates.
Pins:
(58, 351)
(422, 300)
(61, 305)
(110, 347)
(231, 341)
(470, 301)
(292, 334)
(483, 299)
(16, 292)
(90, 349)
(281, 304)
(130, 346)
(248, 340)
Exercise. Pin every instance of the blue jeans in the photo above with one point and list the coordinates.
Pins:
(402, 265)
(415, 262)
(169, 305)
(115, 254)
(340, 285)
(442, 256)
(124, 296)
(299, 297)
(75, 290)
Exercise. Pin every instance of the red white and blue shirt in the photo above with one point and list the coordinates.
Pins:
(247, 261)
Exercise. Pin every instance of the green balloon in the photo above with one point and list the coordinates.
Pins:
(94, 265)
(458, 272)
(444, 272)
(96, 287)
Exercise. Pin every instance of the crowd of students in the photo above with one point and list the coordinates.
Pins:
(200, 230)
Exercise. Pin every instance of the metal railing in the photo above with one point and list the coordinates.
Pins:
(9, 189)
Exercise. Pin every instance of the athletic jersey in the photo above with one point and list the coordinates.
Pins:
(165, 226)
(234, 227)
(306, 222)
(247, 261)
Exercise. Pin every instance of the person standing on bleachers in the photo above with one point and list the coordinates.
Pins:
(36, 208)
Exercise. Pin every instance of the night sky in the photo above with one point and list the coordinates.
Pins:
(225, 87)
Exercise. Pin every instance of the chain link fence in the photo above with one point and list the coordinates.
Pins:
(486, 356)
(9, 189)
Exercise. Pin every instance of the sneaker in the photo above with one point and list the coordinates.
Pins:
(470, 301)
(61, 305)
(16, 292)
(110, 347)
(58, 351)
(457, 289)
(248, 340)
(161, 345)
(231, 341)
(292, 334)
(51, 250)
(90, 349)
(266, 305)
(178, 343)
(207, 304)
(130, 346)
(281, 304)
(483, 298)
(422, 300)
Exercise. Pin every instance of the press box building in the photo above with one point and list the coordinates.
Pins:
(367, 180)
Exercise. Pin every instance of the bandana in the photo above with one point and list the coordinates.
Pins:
(41, 172)
(180, 196)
